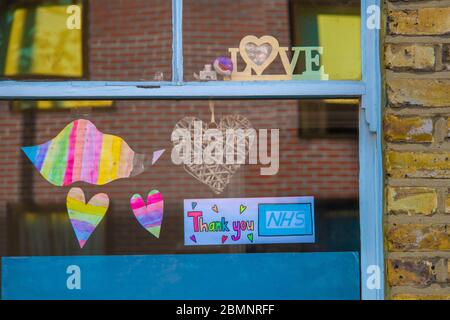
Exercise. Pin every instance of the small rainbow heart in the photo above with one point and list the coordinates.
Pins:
(85, 217)
(250, 237)
(149, 215)
(215, 208)
(193, 238)
(224, 238)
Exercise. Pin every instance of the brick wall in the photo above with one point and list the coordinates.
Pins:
(417, 149)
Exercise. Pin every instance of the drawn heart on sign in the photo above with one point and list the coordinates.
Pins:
(85, 217)
(216, 175)
(149, 215)
(259, 53)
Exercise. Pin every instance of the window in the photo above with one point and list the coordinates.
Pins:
(307, 35)
(90, 40)
(334, 118)
(330, 24)
(324, 167)
(156, 62)
(37, 42)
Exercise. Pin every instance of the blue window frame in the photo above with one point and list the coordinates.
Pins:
(368, 90)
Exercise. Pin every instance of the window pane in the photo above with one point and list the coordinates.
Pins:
(91, 147)
(305, 40)
(86, 39)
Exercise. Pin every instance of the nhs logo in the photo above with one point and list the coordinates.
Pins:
(285, 219)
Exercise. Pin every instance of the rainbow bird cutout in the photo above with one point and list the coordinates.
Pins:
(80, 152)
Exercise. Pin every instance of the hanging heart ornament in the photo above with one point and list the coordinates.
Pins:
(259, 53)
(216, 175)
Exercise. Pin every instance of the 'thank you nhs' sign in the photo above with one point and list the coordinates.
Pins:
(249, 221)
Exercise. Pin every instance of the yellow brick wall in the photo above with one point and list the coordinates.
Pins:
(417, 149)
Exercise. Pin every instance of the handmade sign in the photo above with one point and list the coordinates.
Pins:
(218, 174)
(149, 215)
(259, 53)
(249, 221)
(80, 152)
(85, 217)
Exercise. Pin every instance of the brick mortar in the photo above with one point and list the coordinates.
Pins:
(418, 111)
(402, 5)
(421, 254)
(417, 182)
(436, 219)
(415, 75)
(442, 194)
(432, 289)
(421, 148)
(403, 39)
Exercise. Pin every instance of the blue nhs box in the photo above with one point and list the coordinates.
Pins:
(294, 219)
(269, 220)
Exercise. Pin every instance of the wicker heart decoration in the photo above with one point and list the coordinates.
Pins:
(217, 175)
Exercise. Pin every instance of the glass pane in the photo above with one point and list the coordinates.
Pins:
(247, 40)
(51, 158)
(86, 39)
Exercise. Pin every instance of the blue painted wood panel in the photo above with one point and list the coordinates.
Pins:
(195, 276)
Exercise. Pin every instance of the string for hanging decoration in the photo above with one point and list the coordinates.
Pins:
(213, 123)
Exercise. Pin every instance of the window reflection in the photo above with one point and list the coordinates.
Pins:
(86, 39)
(36, 41)
(335, 26)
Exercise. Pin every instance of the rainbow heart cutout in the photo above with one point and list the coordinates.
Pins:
(85, 217)
(149, 215)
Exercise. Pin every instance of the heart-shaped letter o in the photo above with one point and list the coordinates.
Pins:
(259, 53)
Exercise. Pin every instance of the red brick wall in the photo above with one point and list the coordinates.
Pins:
(130, 40)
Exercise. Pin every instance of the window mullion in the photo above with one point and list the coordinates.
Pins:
(177, 42)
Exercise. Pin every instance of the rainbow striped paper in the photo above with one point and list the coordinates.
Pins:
(85, 217)
(80, 152)
(149, 216)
